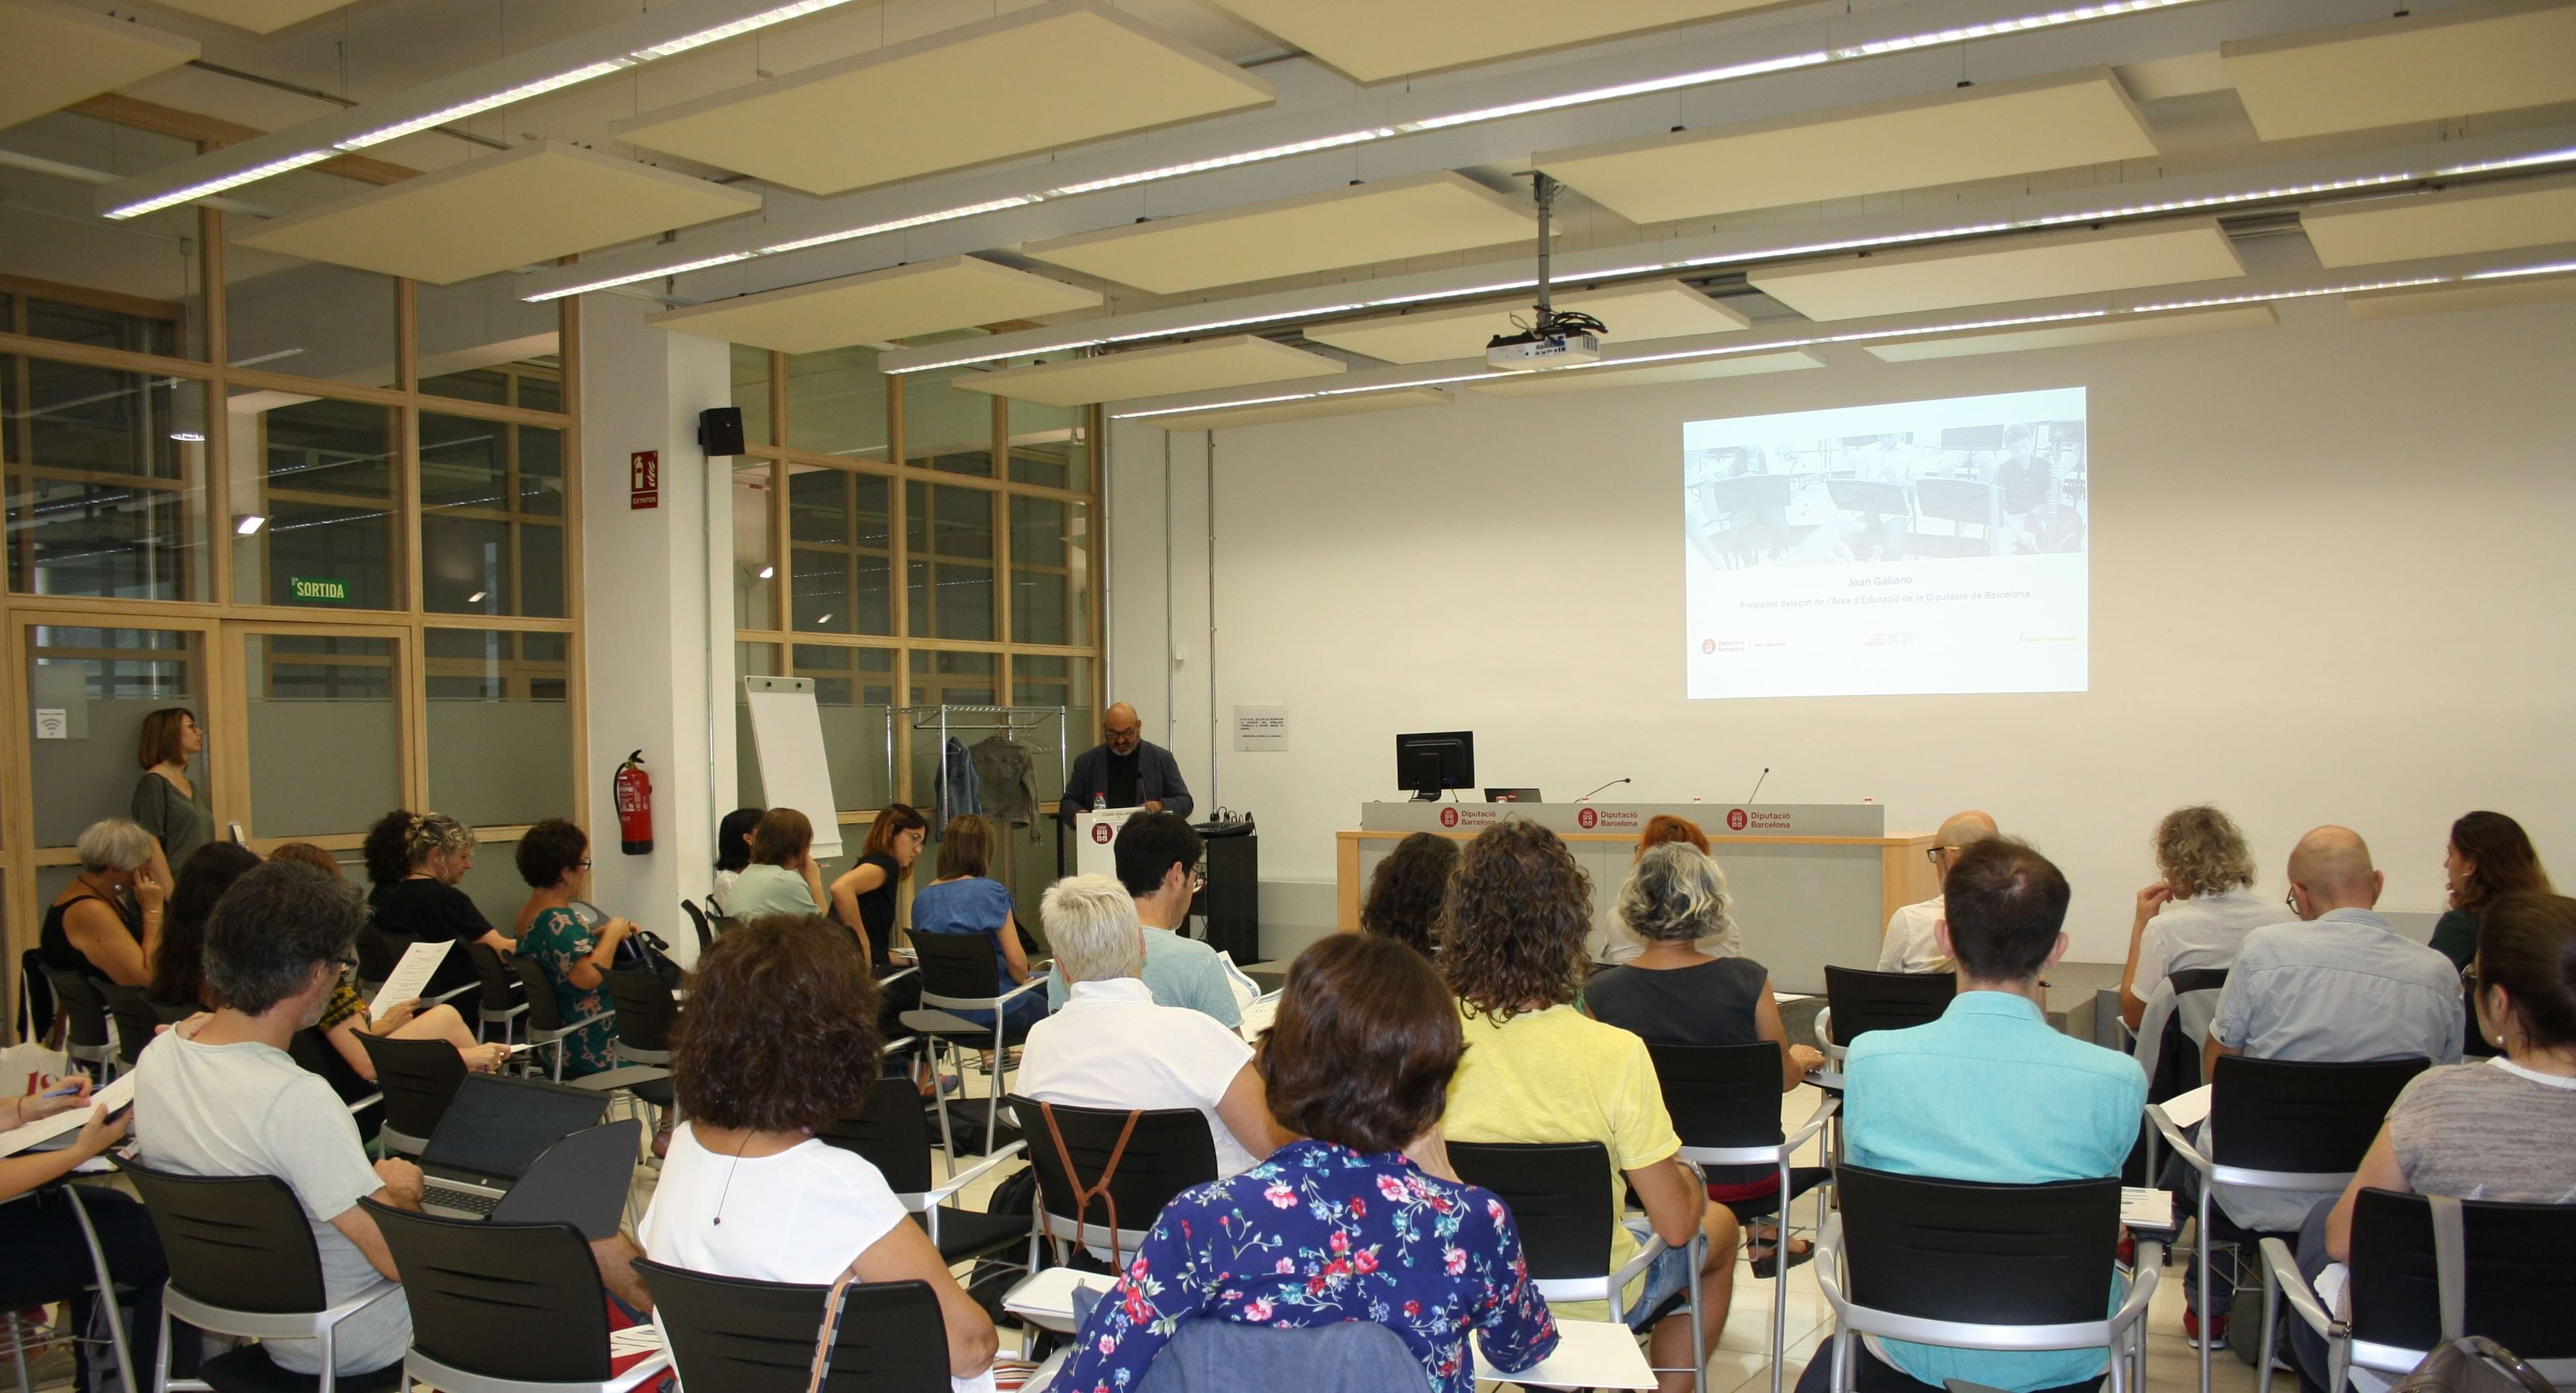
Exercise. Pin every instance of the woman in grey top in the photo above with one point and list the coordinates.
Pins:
(165, 802)
(2198, 913)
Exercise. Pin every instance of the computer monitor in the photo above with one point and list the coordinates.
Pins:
(1428, 762)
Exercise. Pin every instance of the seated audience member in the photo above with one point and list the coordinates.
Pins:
(781, 878)
(733, 850)
(1676, 994)
(2501, 1129)
(778, 1042)
(415, 860)
(1990, 1092)
(1358, 1217)
(966, 900)
(863, 896)
(1620, 945)
(2338, 986)
(1158, 860)
(106, 924)
(49, 1258)
(1538, 1070)
(1404, 892)
(232, 1102)
(1908, 945)
(346, 1017)
(2489, 855)
(2200, 910)
(179, 960)
(554, 859)
(1112, 1046)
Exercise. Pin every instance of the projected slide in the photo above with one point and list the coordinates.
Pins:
(1912, 547)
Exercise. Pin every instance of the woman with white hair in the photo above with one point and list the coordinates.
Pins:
(107, 922)
(1675, 994)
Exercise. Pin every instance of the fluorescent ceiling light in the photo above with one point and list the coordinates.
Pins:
(250, 523)
(476, 598)
(1701, 77)
(2552, 269)
(643, 38)
(822, 619)
(188, 437)
(768, 571)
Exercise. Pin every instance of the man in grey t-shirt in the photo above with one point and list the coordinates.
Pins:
(230, 1100)
(2338, 986)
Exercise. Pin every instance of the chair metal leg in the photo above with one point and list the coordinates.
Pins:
(2338, 1362)
(1780, 1281)
(2271, 1332)
(106, 1288)
(161, 1357)
(1699, 1349)
(939, 1101)
(18, 1349)
(2200, 1250)
(1845, 1376)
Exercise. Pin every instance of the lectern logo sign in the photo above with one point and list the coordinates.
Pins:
(1448, 817)
(1735, 819)
(1708, 645)
(1587, 819)
(1101, 832)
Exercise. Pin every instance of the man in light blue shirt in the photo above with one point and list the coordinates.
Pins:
(1990, 1092)
(1158, 859)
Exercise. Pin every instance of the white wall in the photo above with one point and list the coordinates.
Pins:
(2330, 583)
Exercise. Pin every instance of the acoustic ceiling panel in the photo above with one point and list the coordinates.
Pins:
(2084, 332)
(1057, 74)
(52, 55)
(2019, 127)
(2422, 67)
(1635, 314)
(523, 207)
(1418, 215)
(1306, 410)
(1371, 40)
(1238, 361)
(257, 16)
(1533, 384)
(952, 292)
(2469, 295)
(2021, 268)
(2445, 224)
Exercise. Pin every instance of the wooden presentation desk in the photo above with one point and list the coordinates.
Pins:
(1811, 884)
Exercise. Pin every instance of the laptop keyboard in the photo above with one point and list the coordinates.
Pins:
(466, 1200)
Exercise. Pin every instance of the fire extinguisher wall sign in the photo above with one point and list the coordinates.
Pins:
(633, 789)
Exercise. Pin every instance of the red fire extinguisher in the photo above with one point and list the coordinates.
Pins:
(634, 792)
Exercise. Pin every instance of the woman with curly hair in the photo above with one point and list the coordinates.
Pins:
(2198, 915)
(2489, 855)
(415, 860)
(1538, 1070)
(1405, 891)
(779, 1042)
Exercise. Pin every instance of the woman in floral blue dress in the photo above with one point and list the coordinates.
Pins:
(1361, 1218)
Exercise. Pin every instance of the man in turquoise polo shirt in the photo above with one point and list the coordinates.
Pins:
(1990, 1092)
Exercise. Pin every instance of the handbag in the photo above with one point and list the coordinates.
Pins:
(2464, 1363)
(828, 1337)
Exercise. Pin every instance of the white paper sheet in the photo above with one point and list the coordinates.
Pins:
(1589, 1354)
(1258, 1016)
(2188, 1109)
(2146, 1209)
(404, 983)
(1047, 1298)
(45, 1129)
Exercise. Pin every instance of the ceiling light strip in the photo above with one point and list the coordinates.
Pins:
(1448, 121)
(1862, 336)
(1792, 251)
(645, 38)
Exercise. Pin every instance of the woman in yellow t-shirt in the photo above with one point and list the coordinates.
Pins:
(1537, 1069)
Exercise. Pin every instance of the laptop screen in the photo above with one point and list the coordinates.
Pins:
(499, 1127)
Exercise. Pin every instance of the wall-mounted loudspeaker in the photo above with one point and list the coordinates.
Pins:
(720, 430)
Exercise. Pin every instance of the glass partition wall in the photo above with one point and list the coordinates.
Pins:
(906, 542)
(334, 515)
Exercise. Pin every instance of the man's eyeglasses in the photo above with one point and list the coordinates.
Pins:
(1933, 854)
(2292, 899)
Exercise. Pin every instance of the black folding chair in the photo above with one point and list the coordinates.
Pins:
(890, 1133)
(501, 1000)
(2279, 1124)
(1967, 1265)
(2167, 1044)
(957, 975)
(1559, 1195)
(85, 1038)
(246, 1237)
(504, 1308)
(1725, 1104)
(418, 1079)
(1169, 1150)
(1858, 1001)
(742, 1336)
(547, 1029)
(135, 1022)
(698, 921)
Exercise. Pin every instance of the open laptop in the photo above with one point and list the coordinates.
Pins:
(492, 1133)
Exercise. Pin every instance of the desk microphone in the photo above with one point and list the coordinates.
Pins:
(1612, 784)
(1757, 783)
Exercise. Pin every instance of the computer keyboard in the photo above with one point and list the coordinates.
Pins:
(466, 1200)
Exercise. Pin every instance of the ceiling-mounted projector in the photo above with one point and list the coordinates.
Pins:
(1531, 350)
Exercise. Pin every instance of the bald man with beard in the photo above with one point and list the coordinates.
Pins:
(2337, 986)
(1908, 944)
(1124, 770)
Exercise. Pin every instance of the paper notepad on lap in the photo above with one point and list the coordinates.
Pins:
(2187, 1109)
(411, 976)
(2146, 1209)
(69, 1120)
(1589, 1354)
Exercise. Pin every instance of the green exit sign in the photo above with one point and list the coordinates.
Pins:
(314, 591)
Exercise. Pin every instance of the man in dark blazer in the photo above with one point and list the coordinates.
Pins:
(1125, 770)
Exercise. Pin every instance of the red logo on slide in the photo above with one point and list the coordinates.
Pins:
(1708, 645)
(1735, 819)
(1448, 817)
(1101, 832)
(1587, 819)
